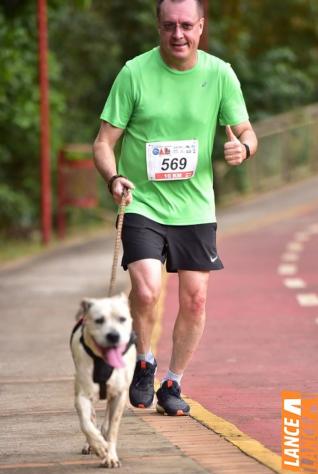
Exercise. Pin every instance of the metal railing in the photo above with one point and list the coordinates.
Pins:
(288, 151)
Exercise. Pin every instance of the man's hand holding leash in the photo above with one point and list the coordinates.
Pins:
(118, 185)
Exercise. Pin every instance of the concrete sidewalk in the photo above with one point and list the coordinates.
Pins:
(39, 429)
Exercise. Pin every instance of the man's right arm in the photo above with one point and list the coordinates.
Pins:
(105, 162)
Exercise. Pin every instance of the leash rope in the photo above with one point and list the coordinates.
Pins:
(117, 243)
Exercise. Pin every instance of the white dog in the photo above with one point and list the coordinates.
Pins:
(104, 354)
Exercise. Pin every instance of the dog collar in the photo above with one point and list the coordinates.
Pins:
(102, 371)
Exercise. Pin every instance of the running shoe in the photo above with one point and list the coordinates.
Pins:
(141, 390)
(170, 401)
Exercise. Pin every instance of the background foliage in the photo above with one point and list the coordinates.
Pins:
(271, 45)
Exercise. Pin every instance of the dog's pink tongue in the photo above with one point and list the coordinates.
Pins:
(113, 357)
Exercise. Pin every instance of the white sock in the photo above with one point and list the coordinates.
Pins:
(147, 356)
(172, 376)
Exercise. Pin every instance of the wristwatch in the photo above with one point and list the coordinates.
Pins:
(248, 151)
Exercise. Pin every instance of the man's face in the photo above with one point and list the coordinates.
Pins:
(180, 28)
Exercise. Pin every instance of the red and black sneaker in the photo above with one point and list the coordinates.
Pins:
(170, 401)
(141, 390)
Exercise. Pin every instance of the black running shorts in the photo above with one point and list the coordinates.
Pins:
(182, 247)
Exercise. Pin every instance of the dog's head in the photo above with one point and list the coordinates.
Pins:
(108, 322)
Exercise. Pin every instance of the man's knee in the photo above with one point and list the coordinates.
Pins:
(193, 303)
(145, 278)
(193, 293)
(145, 295)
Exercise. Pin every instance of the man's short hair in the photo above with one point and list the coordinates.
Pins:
(199, 4)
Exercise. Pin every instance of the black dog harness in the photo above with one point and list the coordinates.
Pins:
(102, 371)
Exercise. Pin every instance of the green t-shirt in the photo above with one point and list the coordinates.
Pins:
(154, 102)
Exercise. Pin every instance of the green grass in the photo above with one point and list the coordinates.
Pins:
(14, 249)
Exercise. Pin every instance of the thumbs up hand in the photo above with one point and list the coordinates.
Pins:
(234, 151)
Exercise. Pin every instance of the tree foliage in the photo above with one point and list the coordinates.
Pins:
(96, 43)
(272, 46)
(19, 116)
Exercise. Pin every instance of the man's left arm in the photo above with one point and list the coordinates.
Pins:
(241, 143)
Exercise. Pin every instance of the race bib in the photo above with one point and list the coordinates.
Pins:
(168, 161)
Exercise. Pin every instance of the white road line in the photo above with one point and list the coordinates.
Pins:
(295, 246)
(313, 229)
(287, 269)
(301, 236)
(307, 299)
(290, 257)
(294, 283)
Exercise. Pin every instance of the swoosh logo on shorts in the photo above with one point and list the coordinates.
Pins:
(214, 259)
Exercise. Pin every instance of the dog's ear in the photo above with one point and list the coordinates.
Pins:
(85, 305)
(124, 297)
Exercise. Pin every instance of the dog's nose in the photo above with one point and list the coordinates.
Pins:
(113, 337)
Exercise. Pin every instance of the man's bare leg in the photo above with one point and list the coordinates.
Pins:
(187, 333)
(190, 321)
(146, 284)
(145, 278)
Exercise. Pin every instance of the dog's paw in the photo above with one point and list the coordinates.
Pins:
(100, 449)
(111, 461)
(86, 449)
